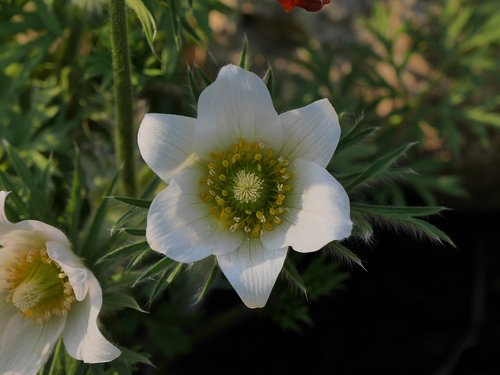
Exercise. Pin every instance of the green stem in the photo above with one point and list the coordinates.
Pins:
(124, 130)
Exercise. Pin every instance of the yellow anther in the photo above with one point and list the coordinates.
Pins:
(268, 226)
(220, 201)
(257, 157)
(222, 177)
(256, 231)
(225, 163)
(224, 193)
(235, 158)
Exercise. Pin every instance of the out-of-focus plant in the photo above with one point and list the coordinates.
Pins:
(417, 79)
(55, 66)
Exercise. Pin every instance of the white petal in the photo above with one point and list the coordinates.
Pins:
(180, 225)
(3, 216)
(72, 266)
(252, 270)
(25, 346)
(27, 234)
(166, 143)
(311, 133)
(236, 106)
(7, 311)
(318, 211)
(82, 338)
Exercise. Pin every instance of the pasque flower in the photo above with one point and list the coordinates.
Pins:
(244, 184)
(45, 292)
(310, 5)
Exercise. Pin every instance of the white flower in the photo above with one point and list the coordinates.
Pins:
(45, 291)
(244, 183)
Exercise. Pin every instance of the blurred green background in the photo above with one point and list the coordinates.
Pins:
(396, 71)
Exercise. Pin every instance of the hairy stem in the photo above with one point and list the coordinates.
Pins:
(124, 131)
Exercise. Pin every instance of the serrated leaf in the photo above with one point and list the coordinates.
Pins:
(362, 227)
(293, 275)
(431, 231)
(344, 253)
(379, 166)
(147, 21)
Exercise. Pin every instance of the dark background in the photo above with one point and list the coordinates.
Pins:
(420, 308)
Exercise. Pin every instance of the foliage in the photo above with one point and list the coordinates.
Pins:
(56, 156)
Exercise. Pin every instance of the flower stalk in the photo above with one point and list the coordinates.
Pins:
(124, 134)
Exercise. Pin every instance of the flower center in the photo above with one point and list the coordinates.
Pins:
(38, 287)
(246, 187)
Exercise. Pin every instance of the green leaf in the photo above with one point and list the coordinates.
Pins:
(379, 166)
(431, 231)
(9, 186)
(73, 208)
(124, 252)
(162, 265)
(135, 231)
(147, 21)
(90, 247)
(207, 282)
(136, 202)
(244, 63)
(293, 275)
(362, 227)
(269, 80)
(116, 300)
(193, 86)
(356, 134)
(345, 254)
(396, 212)
(166, 278)
(191, 32)
(125, 363)
(39, 201)
(207, 81)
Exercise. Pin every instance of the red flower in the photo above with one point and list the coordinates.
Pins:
(310, 5)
